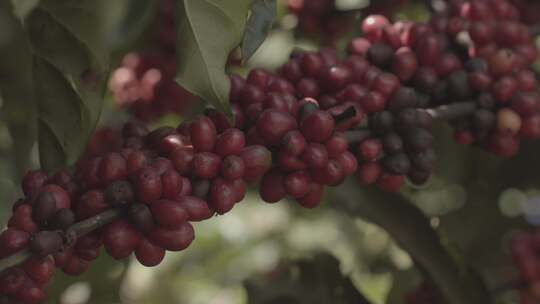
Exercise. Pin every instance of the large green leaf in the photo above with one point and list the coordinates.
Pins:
(413, 232)
(207, 32)
(263, 14)
(69, 76)
(136, 19)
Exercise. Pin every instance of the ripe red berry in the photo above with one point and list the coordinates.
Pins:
(206, 165)
(272, 188)
(531, 127)
(369, 173)
(370, 150)
(315, 155)
(147, 185)
(294, 143)
(314, 197)
(390, 183)
(257, 160)
(113, 167)
(22, 219)
(89, 204)
(120, 239)
(173, 239)
(44, 207)
(12, 281)
(33, 181)
(44, 243)
(196, 208)
(222, 196)
(272, 125)
(149, 254)
(182, 159)
(297, 184)
(61, 197)
(203, 134)
(13, 240)
(232, 167)
(168, 214)
(136, 161)
(171, 183)
(230, 142)
(405, 64)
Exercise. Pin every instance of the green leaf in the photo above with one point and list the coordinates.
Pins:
(22, 8)
(138, 16)
(208, 30)
(413, 232)
(259, 24)
(18, 110)
(69, 76)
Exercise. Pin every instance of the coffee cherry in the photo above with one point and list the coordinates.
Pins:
(333, 174)
(12, 281)
(501, 63)
(30, 294)
(290, 163)
(390, 183)
(402, 99)
(222, 196)
(149, 254)
(297, 184)
(312, 64)
(348, 162)
(112, 168)
(206, 165)
(232, 167)
(182, 159)
(171, 183)
(392, 143)
(33, 181)
(382, 122)
(423, 160)
(315, 155)
(22, 219)
(405, 64)
(89, 204)
(44, 243)
(13, 240)
(272, 188)
(370, 150)
(504, 144)
(119, 193)
(294, 143)
(398, 163)
(526, 103)
(373, 102)
(43, 208)
(136, 161)
(317, 126)
(120, 239)
(196, 208)
(381, 55)
(62, 219)
(508, 121)
(418, 139)
(154, 138)
(88, 246)
(230, 142)
(419, 177)
(257, 160)
(173, 239)
(60, 195)
(463, 137)
(201, 188)
(75, 266)
(313, 198)
(141, 217)
(386, 84)
(531, 127)
(272, 125)
(168, 214)
(147, 185)
(203, 134)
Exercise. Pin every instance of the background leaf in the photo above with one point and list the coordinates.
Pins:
(207, 32)
(259, 24)
(22, 8)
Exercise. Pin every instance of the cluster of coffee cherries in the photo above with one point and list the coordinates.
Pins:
(144, 83)
(529, 11)
(525, 251)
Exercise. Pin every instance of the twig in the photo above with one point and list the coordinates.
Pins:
(453, 110)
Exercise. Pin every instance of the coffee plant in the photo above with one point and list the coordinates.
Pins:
(387, 94)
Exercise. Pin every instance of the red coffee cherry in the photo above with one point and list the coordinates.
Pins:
(33, 181)
(196, 208)
(62, 219)
(232, 167)
(206, 165)
(22, 219)
(44, 243)
(149, 254)
(89, 204)
(317, 126)
(30, 294)
(88, 246)
(147, 185)
(75, 266)
(171, 142)
(120, 239)
(171, 183)
(182, 160)
(39, 270)
(314, 197)
(230, 142)
(13, 240)
(315, 155)
(405, 64)
(113, 167)
(44, 207)
(257, 160)
(60, 195)
(272, 125)
(370, 150)
(272, 188)
(154, 138)
(222, 196)
(531, 127)
(136, 161)
(297, 184)
(203, 134)
(169, 214)
(12, 281)
(391, 183)
(369, 173)
(173, 239)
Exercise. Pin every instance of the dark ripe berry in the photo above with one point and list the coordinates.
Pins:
(201, 188)
(426, 79)
(508, 121)
(423, 160)
(239, 187)
(44, 243)
(288, 162)
(237, 84)
(317, 126)
(369, 173)
(182, 160)
(294, 143)
(253, 111)
(358, 46)
(526, 80)
(458, 86)
(276, 102)
(13, 240)
(222, 196)
(292, 71)
(168, 214)
(481, 32)
(171, 182)
(382, 122)
(22, 219)
(390, 183)
(75, 266)
(87, 173)
(314, 197)
(134, 129)
(206, 165)
(251, 94)
(136, 143)
(501, 63)
(464, 137)
(530, 128)
(405, 64)
(480, 81)
(89, 204)
(392, 143)
(386, 84)
(406, 119)
(186, 187)
(485, 101)
(381, 55)
(315, 155)
(43, 208)
(419, 177)
(149, 254)
(120, 239)
(280, 85)
(348, 162)
(312, 64)
(423, 119)
(39, 270)
(373, 102)
(272, 189)
(161, 164)
(135, 161)
(371, 74)
(504, 88)
(30, 294)
(147, 185)
(33, 181)
(397, 164)
(418, 139)
(154, 138)
(370, 149)
(62, 219)
(196, 208)
(448, 64)
(336, 78)
(119, 193)
(373, 25)
(297, 184)
(403, 98)
(12, 281)
(307, 87)
(428, 50)
(203, 134)
(327, 101)
(60, 195)
(259, 78)
(232, 167)
(337, 145)
(171, 142)
(526, 103)
(173, 239)
(141, 217)
(218, 118)
(272, 125)
(484, 120)
(257, 160)
(504, 144)
(333, 174)
(353, 92)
